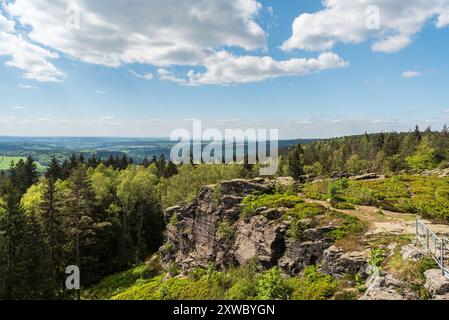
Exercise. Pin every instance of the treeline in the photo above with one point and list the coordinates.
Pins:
(101, 216)
(381, 153)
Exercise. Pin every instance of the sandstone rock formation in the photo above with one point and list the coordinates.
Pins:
(195, 237)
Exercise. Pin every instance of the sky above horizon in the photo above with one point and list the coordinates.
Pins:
(142, 68)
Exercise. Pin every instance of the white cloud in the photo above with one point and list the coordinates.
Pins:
(164, 34)
(227, 69)
(147, 32)
(347, 21)
(101, 92)
(147, 76)
(19, 108)
(21, 54)
(411, 74)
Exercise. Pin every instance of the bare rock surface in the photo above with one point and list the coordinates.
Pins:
(436, 283)
(195, 240)
(337, 263)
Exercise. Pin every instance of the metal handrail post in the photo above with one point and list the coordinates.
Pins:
(442, 257)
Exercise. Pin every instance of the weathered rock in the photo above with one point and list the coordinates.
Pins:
(271, 214)
(382, 294)
(383, 286)
(299, 255)
(412, 253)
(259, 238)
(442, 297)
(195, 239)
(436, 283)
(244, 187)
(366, 176)
(337, 263)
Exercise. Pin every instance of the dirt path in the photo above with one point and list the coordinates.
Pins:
(382, 221)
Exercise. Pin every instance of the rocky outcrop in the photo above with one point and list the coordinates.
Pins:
(337, 262)
(383, 286)
(436, 283)
(412, 252)
(366, 176)
(211, 231)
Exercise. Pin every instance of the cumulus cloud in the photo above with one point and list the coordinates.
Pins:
(140, 31)
(355, 21)
(200, 34)
(30, 58)
(227, 69)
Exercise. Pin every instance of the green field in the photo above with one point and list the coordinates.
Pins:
(5, 163)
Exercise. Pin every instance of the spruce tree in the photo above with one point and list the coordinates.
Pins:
(78, 215)
(53, 234)
(12, 241)
(295, 166)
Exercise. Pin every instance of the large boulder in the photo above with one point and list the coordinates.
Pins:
(412, 252)
(337, 262)
(436, 283)
(384, 286)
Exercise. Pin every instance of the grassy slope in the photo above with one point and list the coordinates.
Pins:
(427, 196)
(5, 163)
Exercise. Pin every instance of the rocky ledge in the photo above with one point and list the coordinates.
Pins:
(211, 231)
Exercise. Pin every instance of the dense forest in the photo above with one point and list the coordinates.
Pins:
(106, 216)
(381, 153)
(103, 216)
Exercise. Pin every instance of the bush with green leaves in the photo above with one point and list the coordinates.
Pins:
(273, 286)
(349, 226)
(306, 210)
(225, 230)
(313, 285)
(252, 203)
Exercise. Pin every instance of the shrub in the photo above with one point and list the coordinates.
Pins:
(273, 286)
(350, 226)
(251, 203)
(117, 283)
(314, 285)
(225, 231)
(376, 258)
(343, 206)
(307, 210)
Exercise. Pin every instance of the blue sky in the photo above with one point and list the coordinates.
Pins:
(90, 81)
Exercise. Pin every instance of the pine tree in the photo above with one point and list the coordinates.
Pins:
(78, 216)
(12, 240)
(32, 175)
(53, 234)
(172, 170)
(295, 166)
(37, 282)
(54, 171)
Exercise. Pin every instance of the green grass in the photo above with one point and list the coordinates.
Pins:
(115, 284)
(427, 196)
(240, 283)
(5, 162)
(279, 200)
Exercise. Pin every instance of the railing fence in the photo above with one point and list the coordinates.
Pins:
(438, 247)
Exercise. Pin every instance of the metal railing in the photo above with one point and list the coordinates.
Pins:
(438, 247)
